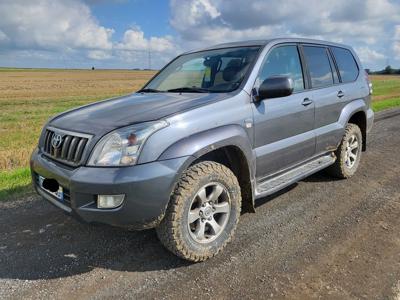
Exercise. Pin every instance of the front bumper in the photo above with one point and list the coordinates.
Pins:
(147, 190)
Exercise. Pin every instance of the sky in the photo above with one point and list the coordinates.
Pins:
(148, 33)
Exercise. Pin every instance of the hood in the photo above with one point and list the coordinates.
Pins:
(104, 116)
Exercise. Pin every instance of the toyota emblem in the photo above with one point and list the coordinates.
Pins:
(56, 140)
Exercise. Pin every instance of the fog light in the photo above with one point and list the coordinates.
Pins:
(109, 201)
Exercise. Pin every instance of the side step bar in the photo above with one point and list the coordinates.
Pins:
(272, 185)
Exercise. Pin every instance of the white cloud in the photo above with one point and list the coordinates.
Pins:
(366, 54)
(192, 13)
(66, 30)
(51, 25)
(396, 42)
(3, 37)
(99, 54)
(364, 24)
(135, 48)
(361, 20)
(135, 40)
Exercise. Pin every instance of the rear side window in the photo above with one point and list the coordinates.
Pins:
(283, 61)
(318, 66)
(346, 63)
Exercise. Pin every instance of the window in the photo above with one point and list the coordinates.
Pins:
(283, 61)
(318, 66)
(348, 68)
(214, 71)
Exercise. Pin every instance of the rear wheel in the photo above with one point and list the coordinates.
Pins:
(348, 153)
(203, 212)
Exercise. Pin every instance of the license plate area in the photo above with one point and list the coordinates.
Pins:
(48, 187)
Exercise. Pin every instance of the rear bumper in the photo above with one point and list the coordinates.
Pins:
(147, 190)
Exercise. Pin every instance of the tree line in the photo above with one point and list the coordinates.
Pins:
(386, 71)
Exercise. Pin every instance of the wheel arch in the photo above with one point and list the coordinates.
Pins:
(360, 119)
(356, 112)
(228, 145)
(233, 158)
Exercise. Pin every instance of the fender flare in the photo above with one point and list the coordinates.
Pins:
(201, 143)
(350, 109)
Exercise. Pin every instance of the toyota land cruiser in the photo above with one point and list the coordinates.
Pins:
(212, 132)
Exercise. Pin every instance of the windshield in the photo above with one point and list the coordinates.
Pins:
(220, 70)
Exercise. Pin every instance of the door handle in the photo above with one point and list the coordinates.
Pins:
(340, 94)
(307, 101)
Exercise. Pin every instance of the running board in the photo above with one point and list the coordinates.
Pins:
(270, 186)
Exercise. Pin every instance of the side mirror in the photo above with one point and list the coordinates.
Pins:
(274, 87)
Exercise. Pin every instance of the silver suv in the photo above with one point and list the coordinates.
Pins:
(215, 130)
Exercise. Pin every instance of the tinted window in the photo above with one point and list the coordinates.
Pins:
(283, 61)
(347, 65)
(318, 66)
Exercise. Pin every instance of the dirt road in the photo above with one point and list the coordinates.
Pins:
(321, 238)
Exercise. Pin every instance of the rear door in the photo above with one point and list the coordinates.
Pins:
(283, 126)
(326, 93)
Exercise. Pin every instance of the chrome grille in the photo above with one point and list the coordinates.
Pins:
(71, 148)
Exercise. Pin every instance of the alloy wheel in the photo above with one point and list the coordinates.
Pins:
(209, 212)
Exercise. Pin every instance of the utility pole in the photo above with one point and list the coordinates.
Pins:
(149, 58)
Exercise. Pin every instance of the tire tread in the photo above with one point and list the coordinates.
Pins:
(338, 168)
(168, 230)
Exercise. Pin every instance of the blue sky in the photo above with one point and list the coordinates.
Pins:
(121, 33)
(152, 16)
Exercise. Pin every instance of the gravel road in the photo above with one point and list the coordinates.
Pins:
(320, 238)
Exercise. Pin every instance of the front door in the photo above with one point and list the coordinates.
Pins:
(284, 126)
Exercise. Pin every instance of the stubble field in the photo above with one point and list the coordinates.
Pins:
(29, 97)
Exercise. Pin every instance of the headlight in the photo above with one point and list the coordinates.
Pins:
(122, 146)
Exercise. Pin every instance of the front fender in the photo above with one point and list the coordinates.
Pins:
(203, 142)
(209, 140)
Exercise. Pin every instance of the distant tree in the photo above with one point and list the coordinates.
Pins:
(92, 68)
(388, 70)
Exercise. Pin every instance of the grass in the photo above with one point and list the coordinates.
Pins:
(385, 104)
(14, 183)
(28, 97)
(386, 92)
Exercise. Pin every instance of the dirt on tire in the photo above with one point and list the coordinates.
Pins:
(169, 231)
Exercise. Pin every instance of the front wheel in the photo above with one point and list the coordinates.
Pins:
(348, 153)
(203, 212)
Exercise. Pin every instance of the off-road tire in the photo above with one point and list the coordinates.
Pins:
(173, 231)
(339, 169)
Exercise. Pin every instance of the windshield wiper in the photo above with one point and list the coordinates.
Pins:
(149, 91)
(187, 89)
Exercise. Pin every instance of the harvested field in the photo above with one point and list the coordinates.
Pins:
(29, 98)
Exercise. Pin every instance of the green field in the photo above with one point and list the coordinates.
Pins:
(28, 97)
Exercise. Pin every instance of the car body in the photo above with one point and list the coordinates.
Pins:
(267, 143)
